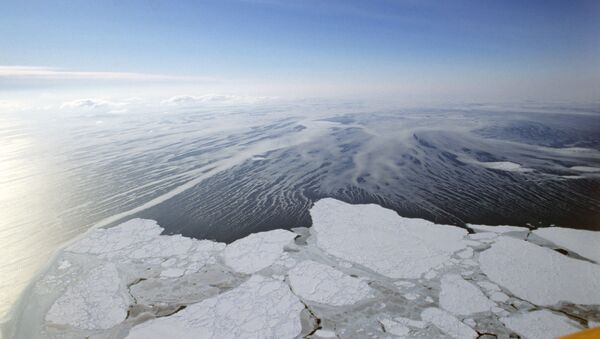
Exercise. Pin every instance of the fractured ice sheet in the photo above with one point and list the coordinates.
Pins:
(585, 243)
(323, 284)
(448, 324)
(257, 251)
(259, 308)
(541, 275)
(98, 301)
(459, 296)
(381, 240)
(541, 325)
(360, 271)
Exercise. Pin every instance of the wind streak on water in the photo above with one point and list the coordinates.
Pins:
(223, 173)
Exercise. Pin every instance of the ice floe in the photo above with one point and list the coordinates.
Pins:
(323, 284)
(461, 297)
(259, 308)
(448, 324)
(391, 245)
(257, 251)
(541, 275)
(359, 271)
(585, 243)
(98, 301)
(541, 324)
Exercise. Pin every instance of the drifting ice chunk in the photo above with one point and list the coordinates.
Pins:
(323, 284)
(257, 251)
(381, 240)
(259, 308)
(394, 328)
(98, 301)
(139, 240)
(447, 323)
(540, 275)
(540, 325)
(584, 243)
(461, 297)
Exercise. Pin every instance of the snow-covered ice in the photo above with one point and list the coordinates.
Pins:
(259, 308)
(99, 301)
(391, 245)
(257, 251)
(541, 324)
(541, 275)
(459, 296)
(360, 271)
(320, 283)
(585, 243)
(447, 323)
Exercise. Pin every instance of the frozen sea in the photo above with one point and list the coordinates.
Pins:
(224, 172)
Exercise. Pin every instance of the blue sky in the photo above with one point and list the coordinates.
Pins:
(338, 47)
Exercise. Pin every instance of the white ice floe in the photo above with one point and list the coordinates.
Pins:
(541, 324)
(97, 301)
(585, 243)
(447, 323)
(257, 251)
(320, 283)
(140, 241)
(259, 308)
(381, 240)
(505, 166)
(394, 328)
(540, 275)
(460, 297)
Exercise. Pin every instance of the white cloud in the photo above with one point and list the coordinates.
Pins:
(91, 104)
(185, 100)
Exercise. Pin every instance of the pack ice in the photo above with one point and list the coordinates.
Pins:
(360, 271)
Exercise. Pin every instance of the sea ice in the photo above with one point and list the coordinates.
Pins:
(459, 296)
(97, 301)
(541, 324)
(447, 323)
(259, 308)
(257, 251)
(381, 240)
(585, 243)
(320, 283)
(394, 328)
(540, 275)
(357, 265)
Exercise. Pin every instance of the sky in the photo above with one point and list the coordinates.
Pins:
(476, 50)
